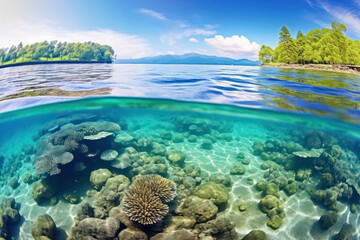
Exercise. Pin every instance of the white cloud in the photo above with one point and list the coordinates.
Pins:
(173, 36)
(15, 30)
(349, 18)
(153, 14)
(193, 40)
(234, 47)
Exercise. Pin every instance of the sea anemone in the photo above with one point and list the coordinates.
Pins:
(144, 200)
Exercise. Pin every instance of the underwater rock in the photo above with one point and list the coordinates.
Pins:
(242, 207)
(144, 144)
(228, 137)
(303, 174)
(326, 179)
(192, 138)
(178, 138)
(44, 189)
(207, 144)
(9, 214)
(13, 182)
(217, 193)
(143, 202)
(258, 148)
(99, 177)
(182, 234)
(166, 135)
(255, 235)
(274, 222)
(237, 169)
(129, 234)
(149, 165)
(335, 151)
(176, 157)
(291, 188)
(71, 197)
(181, 222)
(159, 150)
(265, 165)
(219, 229)
(346, 232)
(270, 202)
(95, 228)
(272, 189)
(328, 219)
(109, 155)
(245, 161)
(240, 156)
(220, 179)
(44, 226)
(125, 159)
(261, 185)
(110, 195)
(192, 170)
(202, 210)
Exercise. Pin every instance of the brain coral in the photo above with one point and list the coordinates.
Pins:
(144, 201)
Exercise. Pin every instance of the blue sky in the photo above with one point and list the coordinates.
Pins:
(235, 28)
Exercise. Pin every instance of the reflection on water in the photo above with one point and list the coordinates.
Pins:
(314, 92)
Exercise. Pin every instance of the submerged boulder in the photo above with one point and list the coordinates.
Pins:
(44, 189)
(217, 193)
(255, 235)
(196, 208)
(328, 219)
(176, 157)
(44, 226)
(99, 177)
(270, 202)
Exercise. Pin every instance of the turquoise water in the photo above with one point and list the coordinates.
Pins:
(235, 170)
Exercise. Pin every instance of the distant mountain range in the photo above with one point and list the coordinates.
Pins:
(190, 58)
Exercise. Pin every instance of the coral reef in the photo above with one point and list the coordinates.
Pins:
(143, 202)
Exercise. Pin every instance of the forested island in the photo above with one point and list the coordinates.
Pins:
(325, 46)
(55, 51)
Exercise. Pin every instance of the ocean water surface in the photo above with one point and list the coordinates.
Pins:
(178, 152)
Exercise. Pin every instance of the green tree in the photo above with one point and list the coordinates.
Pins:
(266, 54)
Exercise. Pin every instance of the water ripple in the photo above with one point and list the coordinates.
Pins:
(315, 92)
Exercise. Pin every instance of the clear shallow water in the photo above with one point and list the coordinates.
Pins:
(309, 165)
(314, 92)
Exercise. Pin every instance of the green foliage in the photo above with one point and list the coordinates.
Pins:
(327, 46)
(56, 51)
(266, 54)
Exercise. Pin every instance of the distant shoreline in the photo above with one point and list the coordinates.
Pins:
(47, 62)
(321, 67)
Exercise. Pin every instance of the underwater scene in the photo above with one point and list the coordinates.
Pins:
(133, 168)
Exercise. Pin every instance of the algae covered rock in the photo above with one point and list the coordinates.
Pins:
(99, 177)
(346, 232)
(270, 202)
(176, 157)
(182, 234)
(302, 174)
(44, 189)
(71, 197)
(197, 208)
(129, 234)
(238, 169)
(255, 235)
(207, 144)
(291, 188)
(223, 179)
(272, 189)
(13, 182)
(44, 226)
(261, 185)
(328, 219)
(274, 222)
(265, 165)
(217, 193)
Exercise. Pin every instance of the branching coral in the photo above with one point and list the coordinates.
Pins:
(144, 200)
